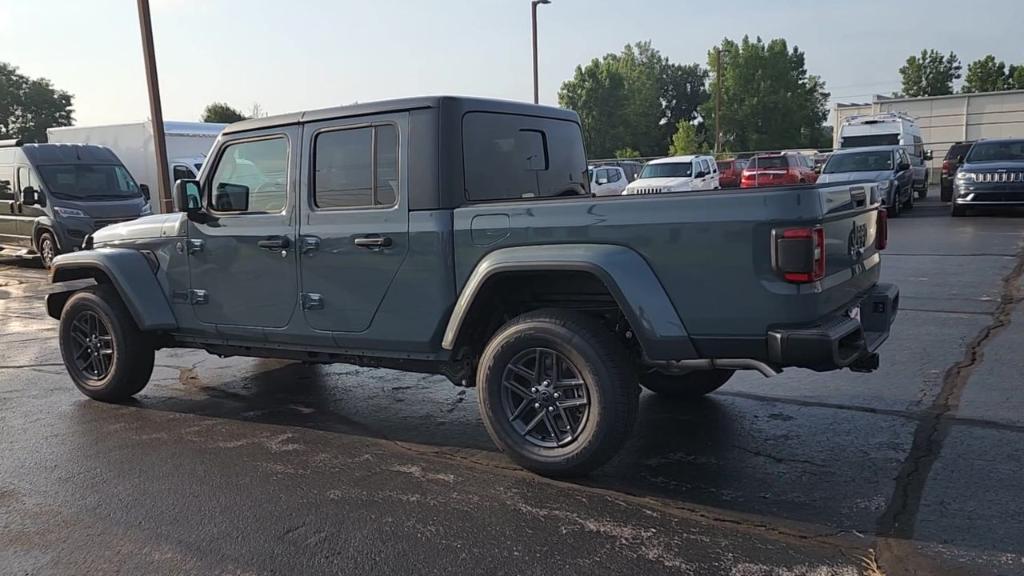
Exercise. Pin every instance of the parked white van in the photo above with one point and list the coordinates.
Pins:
(676, 174)
(889, 129)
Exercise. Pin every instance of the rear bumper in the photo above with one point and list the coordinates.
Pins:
(845, 341)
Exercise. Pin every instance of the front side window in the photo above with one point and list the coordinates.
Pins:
(84, 182)
(508, 156)
(6, 183)
(614, 175)
(356, 168)
(251, 177)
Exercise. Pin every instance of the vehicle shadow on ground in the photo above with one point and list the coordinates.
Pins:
(937, 209)
(722, 451)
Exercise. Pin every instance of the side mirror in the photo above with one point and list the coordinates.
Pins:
(817, 169)
(188, 196)
(29, 196)
(145, 191)
(229, 197)
(927, 154)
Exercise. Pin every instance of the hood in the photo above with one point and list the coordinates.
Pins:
(1007, 165)
(651, 185)
(880, 176)
(158, 226)
(103, 209)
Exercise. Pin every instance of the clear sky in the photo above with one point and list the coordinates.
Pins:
(290, 55)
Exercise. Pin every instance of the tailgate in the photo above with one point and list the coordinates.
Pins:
(851, 229)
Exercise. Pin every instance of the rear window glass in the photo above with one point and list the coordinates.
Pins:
(508, 156)
(768, 163)
(870, 140)
(957, 150)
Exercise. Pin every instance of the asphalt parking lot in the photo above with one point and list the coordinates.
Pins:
(239, 466)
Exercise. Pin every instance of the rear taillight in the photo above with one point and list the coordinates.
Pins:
(800, 254)
(882, 231)
(947, 167)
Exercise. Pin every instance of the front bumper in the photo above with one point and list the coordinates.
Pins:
(845, 341)
(989, 195)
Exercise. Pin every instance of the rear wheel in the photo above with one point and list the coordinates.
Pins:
(557, 392)
(47, 248)
(106, 355)
(690, 386)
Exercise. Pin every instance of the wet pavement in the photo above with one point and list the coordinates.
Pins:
(239, 466)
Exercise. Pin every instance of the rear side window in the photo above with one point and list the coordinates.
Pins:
(614, 175)
(506, 156)
(356, 168)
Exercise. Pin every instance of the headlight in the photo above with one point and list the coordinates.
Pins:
(966, 177)
(884, 185)
(147, 210)
(69, 212)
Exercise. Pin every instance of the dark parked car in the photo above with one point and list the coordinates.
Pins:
(889, 166)
(950, 164)
(992, 175)
(53, 195)
(730, 172)
(457, 236)
(785, 169)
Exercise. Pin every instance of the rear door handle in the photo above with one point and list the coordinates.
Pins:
(275, 243)
(374, 241)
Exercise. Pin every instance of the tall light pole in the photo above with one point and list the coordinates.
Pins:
(536, 81)
(155, 110)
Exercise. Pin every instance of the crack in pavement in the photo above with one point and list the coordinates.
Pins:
(899, 518)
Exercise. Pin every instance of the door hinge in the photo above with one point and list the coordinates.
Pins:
(196, 246)
(312, 302)
(198, 297)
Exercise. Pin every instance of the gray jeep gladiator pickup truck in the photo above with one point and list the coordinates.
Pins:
(458, 236)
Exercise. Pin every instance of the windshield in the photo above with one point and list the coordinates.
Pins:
(768, 163)
(669, 170)
(876, 161)
(870, 140)
(89, 182)
(997, 151)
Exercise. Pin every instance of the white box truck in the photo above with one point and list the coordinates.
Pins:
(188, 143)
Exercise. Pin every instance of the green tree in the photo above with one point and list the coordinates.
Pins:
(930, 74)
(769, 101)
(222, 113)
(633, 99)
(1015, 77)
(28, 106)
(626, 153)
(986, 75)
(687, 140)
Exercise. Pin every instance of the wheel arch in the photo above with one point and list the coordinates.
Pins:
(128, 271)
(621, 271)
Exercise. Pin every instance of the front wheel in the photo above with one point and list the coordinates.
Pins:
(909, 203)
(557, 392)
(689, 386)
(47, 248)
(958, 211)
(105, 353)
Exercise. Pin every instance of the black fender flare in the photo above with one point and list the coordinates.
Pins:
(129, 271)
(626, 275)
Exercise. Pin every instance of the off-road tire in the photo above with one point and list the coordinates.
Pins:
(690, 386)
(608, 376)
(130, 362)
(47, 248)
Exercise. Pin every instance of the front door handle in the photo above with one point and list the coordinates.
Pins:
(374, 241)
(275, 243)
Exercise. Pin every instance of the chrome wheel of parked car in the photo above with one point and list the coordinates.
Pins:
(545, 397)
(47, 249)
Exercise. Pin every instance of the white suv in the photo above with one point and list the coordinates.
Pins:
(676, 174)
(607, 180)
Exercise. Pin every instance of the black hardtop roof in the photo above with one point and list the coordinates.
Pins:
(42, 154)
(466, 104)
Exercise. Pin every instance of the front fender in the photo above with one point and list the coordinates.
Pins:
(625, 274)
(130, 272)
